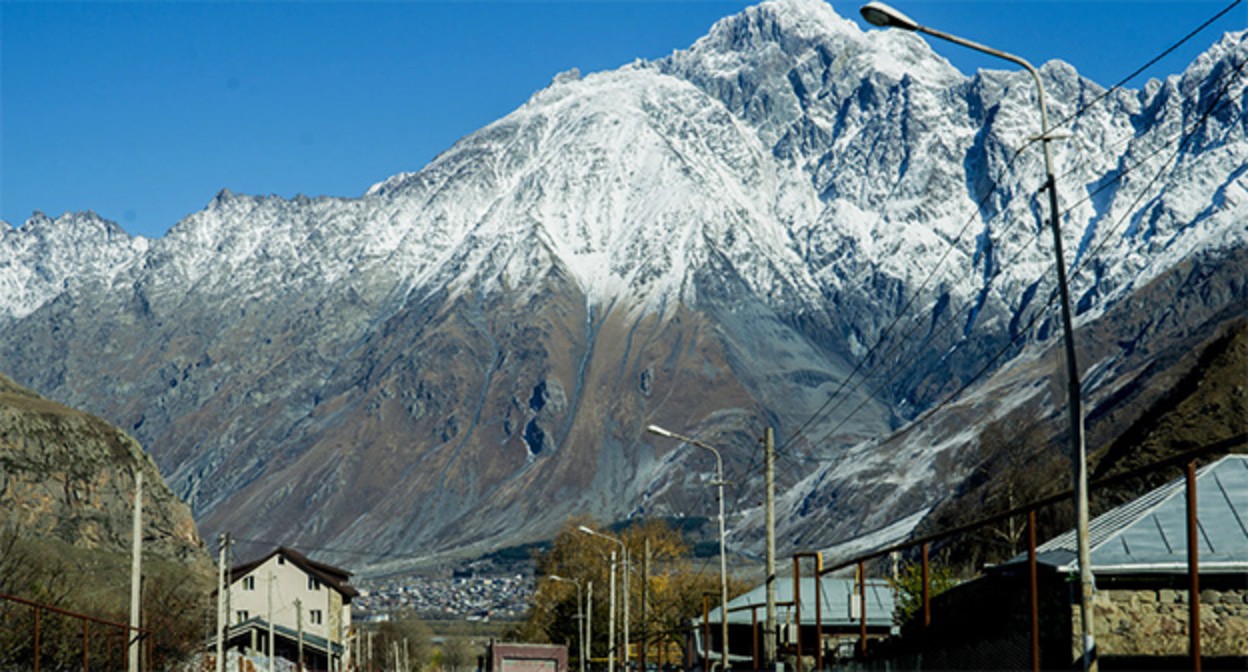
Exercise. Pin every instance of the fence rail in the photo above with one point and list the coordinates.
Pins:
(123, 632)
(922, 545)
(1188, 459)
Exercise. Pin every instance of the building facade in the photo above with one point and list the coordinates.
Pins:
(304, 604)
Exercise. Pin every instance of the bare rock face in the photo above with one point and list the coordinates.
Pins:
(70, 476)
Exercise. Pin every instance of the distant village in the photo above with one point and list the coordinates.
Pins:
(469, 597)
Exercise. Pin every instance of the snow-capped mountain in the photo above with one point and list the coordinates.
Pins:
(787, 212)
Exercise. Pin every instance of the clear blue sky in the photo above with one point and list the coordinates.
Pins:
(142, 111)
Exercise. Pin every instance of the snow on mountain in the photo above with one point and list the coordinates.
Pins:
(45, 258)
(747, 218)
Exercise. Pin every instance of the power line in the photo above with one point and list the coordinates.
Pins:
(1053, 292)
(1135, 73)
(823, 410)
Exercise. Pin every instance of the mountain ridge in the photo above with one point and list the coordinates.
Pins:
(744, 220)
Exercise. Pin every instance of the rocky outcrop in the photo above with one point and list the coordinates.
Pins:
(69, 476)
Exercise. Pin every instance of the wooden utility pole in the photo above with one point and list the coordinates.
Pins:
(136, 570)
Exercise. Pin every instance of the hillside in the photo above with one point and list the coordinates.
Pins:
(68, 477)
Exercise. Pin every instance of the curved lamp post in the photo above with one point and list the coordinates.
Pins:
(611, 621)
(880, 14)
(723, 557)
(580, 615)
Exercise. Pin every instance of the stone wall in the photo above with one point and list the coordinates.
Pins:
(1154, 622)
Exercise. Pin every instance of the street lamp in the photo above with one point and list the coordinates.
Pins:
(611, 621)
(580, 615)
(880, 14)
(723, 556)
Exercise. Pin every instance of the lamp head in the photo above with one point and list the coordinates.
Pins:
(880, 14)
(655, 429)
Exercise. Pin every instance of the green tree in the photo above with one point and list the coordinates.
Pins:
(673, 592)
(908, 588)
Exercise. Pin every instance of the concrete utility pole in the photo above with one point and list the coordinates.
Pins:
(136, 570)
(624, 553)
(221, 613)
(627, 598)
(589, 619)
(645, 601)
(769, 638)
(723, 549)
(880, 14)
(270, 618)
(611, 621)
(299, 629)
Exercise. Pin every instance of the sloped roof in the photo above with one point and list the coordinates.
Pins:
(836, 594)
(329, 575)
(1149, 534)
(309, 640)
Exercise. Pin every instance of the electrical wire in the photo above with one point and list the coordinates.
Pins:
(1053, 293)
(823, 410)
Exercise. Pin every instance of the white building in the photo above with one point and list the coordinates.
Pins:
(304, 604)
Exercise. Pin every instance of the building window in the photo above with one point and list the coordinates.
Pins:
(281, 559)
(315, 617)
(241, 615)
(249, 583)
(313, 584)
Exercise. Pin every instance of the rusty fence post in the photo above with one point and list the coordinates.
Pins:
(819, 611)
(1193, 569)
(862, 601)
(754, 635)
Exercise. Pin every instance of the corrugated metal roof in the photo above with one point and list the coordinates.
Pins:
(1149, 534)
(836, 595)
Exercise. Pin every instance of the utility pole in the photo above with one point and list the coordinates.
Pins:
(221, 612)
(645, 600)
(270, 618)
(299, 628)
(589, 620)
(611, 620)
(136, 569)
(769, 638)
(628, 569)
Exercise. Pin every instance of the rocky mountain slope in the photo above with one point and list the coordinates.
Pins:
(68, 476)
(790, 223)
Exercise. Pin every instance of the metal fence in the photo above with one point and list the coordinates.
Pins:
(999, 659)
(60, 639)
(1025, 599)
